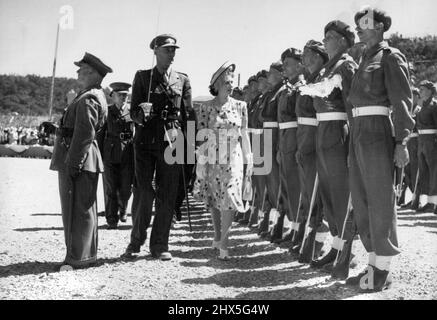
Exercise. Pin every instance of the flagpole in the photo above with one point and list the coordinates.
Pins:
(53, 75)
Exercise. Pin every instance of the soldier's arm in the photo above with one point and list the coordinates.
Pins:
(139, 95)
(187, 102)
(399, 92)
(87, 112)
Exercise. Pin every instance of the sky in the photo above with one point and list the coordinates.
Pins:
(250, 33)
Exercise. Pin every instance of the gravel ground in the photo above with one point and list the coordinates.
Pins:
(32, 244)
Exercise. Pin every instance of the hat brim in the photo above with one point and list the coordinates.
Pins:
(169, 45)
(224, 67)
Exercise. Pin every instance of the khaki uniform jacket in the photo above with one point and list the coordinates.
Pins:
(85, 117)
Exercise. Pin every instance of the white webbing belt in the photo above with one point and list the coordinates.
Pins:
(270, 124)
(257, 131)
(288, 125)
(331, 116)
(427, 131)
(307, 121)
(370, 111)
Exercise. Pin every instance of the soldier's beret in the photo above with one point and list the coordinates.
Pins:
(225, 66)
(292, 53)
(277, 66)
(94, 63)
(164, 40)
(121, 87)
(429, 85)
(252, 78)
(373, 14)
(318, 47)
(262, 74)
(343, 29)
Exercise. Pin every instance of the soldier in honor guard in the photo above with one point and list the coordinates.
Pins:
(427, 148)
(332, 143)
(287, 145)
(269, 119)
(161, 100)
(380, 84)
(118, 155)
(76, 157)
(313, 58)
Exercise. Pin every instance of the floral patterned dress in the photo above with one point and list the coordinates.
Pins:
(222, 184)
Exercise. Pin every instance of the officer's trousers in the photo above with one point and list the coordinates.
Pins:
(371, 181)
(79, 216)
(117, 185)
(332, 152)
(150, 163)
(427, 155)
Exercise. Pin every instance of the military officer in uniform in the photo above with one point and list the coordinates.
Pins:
(76, 157)
(118, 156)
(380, 84)
(427, 149)
(161, 100)
(332, 141)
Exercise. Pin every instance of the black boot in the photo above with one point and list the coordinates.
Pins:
(276, 235)
(355, 281)
(382, 280)
(341, 269)
(307, 253)
(429, 207)
(264, 224)
(330, 257)
(286, 240)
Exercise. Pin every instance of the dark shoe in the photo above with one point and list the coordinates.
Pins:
(123, 216)
(429, 207)
(330, 257)
(414, 204)
(307, 252)
(344, 261)
(286, 241)
(381, 280)
(245, 219)
(111, 226)
(328, 267)
(276, 234)
(178, 214)
(130, 252)
(265, 235)
(407, 205)
(355, 281)
(264, 225)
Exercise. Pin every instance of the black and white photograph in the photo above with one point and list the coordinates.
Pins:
(234, 153)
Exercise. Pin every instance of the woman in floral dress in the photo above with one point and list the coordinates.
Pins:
(223, 149)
